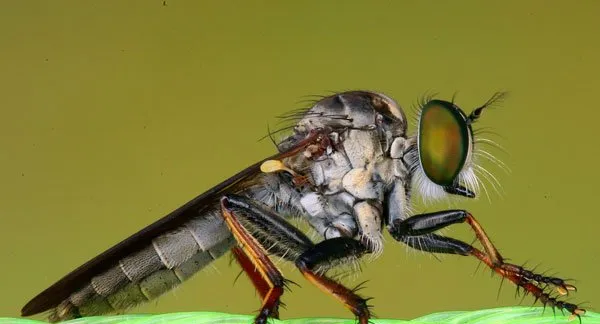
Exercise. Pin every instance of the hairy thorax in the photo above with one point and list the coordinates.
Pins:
(359, 165)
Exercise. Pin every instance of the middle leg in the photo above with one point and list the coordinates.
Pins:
(329, 253)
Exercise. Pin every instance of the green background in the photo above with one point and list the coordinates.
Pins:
(116, 112)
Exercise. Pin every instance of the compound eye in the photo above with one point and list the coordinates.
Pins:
(443, 139)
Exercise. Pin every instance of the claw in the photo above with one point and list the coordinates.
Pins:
(571, 287)
(575, 311)
(577, 314)
(565, 288)
(562, 290)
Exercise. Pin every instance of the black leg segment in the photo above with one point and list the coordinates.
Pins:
(274, 233)
(437, 244)
(314, 262)
(426, 223)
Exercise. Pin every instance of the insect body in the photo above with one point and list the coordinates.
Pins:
(349, 170)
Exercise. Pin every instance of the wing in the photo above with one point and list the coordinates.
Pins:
(74, 281)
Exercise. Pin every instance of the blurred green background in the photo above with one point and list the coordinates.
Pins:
(116, 112)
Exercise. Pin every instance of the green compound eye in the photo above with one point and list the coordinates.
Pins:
(444, 141)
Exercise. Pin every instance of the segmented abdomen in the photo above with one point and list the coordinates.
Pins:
(142, 276)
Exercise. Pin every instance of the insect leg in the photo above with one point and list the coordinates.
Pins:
(260, 284)
(314, 262)
(417, 231)
(252, 251)
(271, 232)
(258, 230)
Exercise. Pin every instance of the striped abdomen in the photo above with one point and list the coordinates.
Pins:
(142, 276)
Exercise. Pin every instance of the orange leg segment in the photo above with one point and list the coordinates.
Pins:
(264, 274)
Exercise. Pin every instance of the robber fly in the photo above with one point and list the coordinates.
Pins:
(349, 170)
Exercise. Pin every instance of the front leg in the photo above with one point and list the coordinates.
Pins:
(422, 226)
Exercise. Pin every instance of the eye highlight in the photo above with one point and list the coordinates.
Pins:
(443, 141)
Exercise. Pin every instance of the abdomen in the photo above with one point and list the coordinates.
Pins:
(169, 260)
